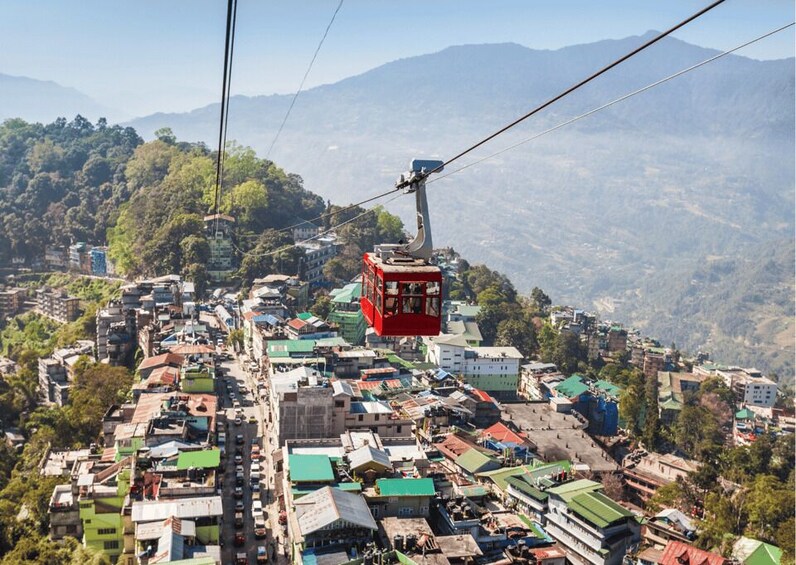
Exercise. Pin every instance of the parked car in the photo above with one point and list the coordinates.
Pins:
(238, 492)
(262, 554)
(239, 439)
(240, 539)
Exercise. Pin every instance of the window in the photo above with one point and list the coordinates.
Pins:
(106, 531)
(360, 418)
(398, 429)
(111, 544)
(339, 403)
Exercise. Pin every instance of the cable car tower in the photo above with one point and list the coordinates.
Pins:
(401, 289)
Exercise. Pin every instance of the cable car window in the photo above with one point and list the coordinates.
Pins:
(432, 306)
(412, 305)
(391, 304)
(378, 300)
(391, 287)
(432, 288)
(411, 289)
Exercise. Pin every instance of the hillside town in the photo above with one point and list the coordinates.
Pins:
(259, 431)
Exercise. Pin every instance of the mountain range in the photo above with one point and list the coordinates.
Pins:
(43, 101)
(616, 212)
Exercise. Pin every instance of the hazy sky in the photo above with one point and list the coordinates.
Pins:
(144, 56)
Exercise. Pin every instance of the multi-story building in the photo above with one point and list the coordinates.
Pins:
(11, 301)
(55, 257)
(116, 333)
(56, 304)
(99, 261)
(593, 529)
(80, 258)
(530, 376)
(219, 229)
(56, 372)
(493, 369)
(750, 387)
(646, 472)
(316, 254)
(347, 314)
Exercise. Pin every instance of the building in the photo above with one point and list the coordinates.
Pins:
(116, 333)
(679, 553)
(495, 370)
(219, 229)
(316, 254)
(56, 304)
(592, 528)
(646, 472)
(754, 552)
(331, 518)
(80, 258)
(11, 301)
(56, 372)
(402, 498)
(100, 265)
(672, 390)
(750, 387)
(347, 314)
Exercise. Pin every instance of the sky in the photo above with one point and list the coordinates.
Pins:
(145, 56)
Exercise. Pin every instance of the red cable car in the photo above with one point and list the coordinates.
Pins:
(401, 290)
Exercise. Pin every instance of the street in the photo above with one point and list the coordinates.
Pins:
(236, 384)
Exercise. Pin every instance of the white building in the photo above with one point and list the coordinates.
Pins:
(750, 387)
(493, 369)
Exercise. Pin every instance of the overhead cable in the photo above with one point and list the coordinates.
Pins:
(578, 85)
(615, 101)
(303, 80)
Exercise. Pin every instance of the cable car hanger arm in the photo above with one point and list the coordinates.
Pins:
(421, 246)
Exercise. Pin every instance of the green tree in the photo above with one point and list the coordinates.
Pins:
(770, 503)
(540, 301)
(322, 306)
(517, 333)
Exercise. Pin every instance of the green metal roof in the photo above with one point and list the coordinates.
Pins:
(395, 360)
(569, 490)
(205, 459)
(349, 487)
(610, 388)
(473, 461)
(765, 554)
(526, 488)
(597, 509)
(306, 468)
(671, 404)
(286, 347)
(406, 487)
(745, 414)
(571, 387)
(304, 316)
(347, 294)
(535, 530)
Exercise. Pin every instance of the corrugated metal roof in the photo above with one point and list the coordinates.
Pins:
(199, 507)
(406, 487)
(473, 461)
(366, 455)
(597, 508)
(571, 387)
(324, 507)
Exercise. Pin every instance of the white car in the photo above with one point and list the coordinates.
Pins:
(257, 509)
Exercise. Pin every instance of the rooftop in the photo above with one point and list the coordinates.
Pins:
(406, 487)
(310, 468)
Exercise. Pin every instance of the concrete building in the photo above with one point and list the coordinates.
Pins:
(593, 529)
(219, 229)
(56, 304)
(116, 333)
(646, 472)
(56, 372)
(11, 301)
(347, 314)
(750, 387)
(316, 254)
(495, 370)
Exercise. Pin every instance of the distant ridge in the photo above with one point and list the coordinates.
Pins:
(43, 101)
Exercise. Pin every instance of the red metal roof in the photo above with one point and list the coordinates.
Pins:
(679, 553)
(296, 323)
(171, 358)
(481, 395)
(500, 432)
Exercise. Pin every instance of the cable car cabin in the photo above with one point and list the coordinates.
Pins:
(401, 296)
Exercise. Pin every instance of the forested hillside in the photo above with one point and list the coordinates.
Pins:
(59, 182)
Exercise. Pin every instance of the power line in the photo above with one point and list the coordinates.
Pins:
(578, 85)
(615, 101)
(306, 74)
(319, 234)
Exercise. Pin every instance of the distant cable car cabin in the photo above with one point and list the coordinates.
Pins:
(401, 290)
